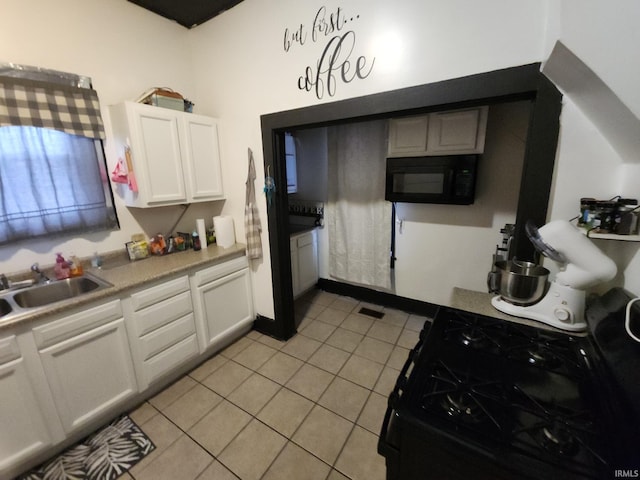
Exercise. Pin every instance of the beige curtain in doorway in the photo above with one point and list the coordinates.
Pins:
(357, 216)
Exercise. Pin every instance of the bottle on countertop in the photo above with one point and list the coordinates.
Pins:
(61, 269)
(96, 260)
(75, 267)
(196, 241)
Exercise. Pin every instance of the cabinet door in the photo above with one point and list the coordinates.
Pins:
(307, 261)
(295, 282)
(90, 373)
(156, 155)
(22, 421)
(457, 132)
(408, 136)
(201, 156)
(224, 306)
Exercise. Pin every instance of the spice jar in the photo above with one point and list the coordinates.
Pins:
(626, 218)
(605, 216)
(587, 212)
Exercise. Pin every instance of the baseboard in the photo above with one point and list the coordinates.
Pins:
(385, 299)
(267, 326)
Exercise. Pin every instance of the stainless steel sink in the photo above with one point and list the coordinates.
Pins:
(41, 295)
(5, 307)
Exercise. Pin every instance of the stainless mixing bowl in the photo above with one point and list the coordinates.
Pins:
(521, 283)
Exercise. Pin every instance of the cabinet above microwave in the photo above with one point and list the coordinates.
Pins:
(454, 132)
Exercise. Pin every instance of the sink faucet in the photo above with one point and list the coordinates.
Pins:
(42, 278)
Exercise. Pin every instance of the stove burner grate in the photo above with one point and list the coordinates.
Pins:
(566, 434)
(469, 330)
(463, 398)
(558, 439)
(535, 347)
(462, 405)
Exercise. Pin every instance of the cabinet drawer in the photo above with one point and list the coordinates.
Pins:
(165, 312)
(9, 349)
(218, 271)
(158, 293)
(170, 358)
(73, 325)
(166, 336)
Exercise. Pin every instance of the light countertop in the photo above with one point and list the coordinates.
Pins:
(124, 275)
(480, 303)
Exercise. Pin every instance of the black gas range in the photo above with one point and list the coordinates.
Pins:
(485, 398)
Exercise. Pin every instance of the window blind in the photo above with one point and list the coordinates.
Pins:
(73, 110)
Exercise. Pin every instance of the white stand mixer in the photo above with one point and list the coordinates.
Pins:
(583, 266)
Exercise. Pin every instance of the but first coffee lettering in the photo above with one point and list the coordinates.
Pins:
(297, 36)
(327, 24)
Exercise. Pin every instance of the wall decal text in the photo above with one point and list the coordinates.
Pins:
(338, 61)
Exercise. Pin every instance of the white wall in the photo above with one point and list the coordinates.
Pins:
(439, 247)
(604, 35)
(442, 246)
(125, 50)
(234, 67)
(243, 72)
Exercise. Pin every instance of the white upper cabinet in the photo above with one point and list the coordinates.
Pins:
(174, 155)
(454, 132)
(408, 136)
(201, 152)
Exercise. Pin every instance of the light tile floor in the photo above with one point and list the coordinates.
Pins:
(310, 408)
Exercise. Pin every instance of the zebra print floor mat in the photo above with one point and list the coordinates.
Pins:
(104, 455)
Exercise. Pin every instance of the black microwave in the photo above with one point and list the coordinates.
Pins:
(443, 179)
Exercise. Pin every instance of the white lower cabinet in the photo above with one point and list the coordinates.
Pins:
(25, 409)
(66, 376)
(87, 362)
(304, 261)
(161, 328)
(222, 301)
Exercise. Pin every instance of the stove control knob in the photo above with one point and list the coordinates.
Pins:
(562, 314)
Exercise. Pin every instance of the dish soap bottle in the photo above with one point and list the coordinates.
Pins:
(75, 267)
(61, 269)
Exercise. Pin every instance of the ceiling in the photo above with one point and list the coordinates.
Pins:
(188, 13)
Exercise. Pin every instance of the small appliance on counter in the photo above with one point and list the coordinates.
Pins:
(523, 286)
(502, 254)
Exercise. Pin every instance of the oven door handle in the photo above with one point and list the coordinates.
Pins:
(385, 446)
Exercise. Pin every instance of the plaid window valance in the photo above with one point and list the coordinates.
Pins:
(36, 103)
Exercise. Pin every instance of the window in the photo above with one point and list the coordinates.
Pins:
(53, 176)
(290, 154)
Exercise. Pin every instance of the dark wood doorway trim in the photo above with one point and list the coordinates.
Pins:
(511, 84)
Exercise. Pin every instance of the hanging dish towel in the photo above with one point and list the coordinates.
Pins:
(119, 174)
(251, 217)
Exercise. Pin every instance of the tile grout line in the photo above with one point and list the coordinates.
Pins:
(225, 354)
